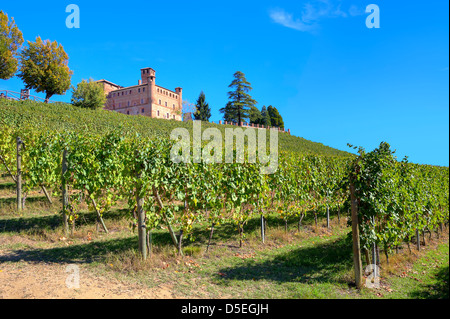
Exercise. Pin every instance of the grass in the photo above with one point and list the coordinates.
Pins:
(310, 264)
(62, 116)
(313, 263)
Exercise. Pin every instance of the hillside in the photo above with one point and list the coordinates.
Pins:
(62, 116)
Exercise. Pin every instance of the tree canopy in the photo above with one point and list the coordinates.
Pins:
(240, 101)
(203, 111)
(44, 68)
(11, 39)
(275, 117)
(89, 94)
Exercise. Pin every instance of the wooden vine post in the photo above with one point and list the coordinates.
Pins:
(356, 244)
(19, 175)
(142, 231)
(65, 195)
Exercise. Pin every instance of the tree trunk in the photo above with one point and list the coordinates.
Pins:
(356, 244)
(180, 251)
(263, 236)
(161, 205)
(46, 194)
(418, 239)
(8, 169)
(300, 221)
(339, 214)
(210, 236)
(99, 216)
(149, 243)
(328, 217)
(47, 97)
(366, 252)
(315, 219)
(240, 235)
(142, 231)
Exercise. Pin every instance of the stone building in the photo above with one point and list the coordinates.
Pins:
(146, 98)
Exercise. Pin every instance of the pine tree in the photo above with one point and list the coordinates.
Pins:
(265, 117)
(237, 109)
(203, 111)
(255, 115)
(275, 117)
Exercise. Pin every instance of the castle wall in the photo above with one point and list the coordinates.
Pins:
(145, 99)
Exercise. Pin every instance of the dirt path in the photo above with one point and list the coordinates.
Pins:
(41, 280)
(48, 281)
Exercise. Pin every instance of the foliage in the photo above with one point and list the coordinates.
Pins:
(11, 39)
(203, 111)
(89, 94)
(237, 109)
(275, 118)
(44, 67)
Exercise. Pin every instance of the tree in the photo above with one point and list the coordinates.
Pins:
(265, 117)
(89, 95)
(203, 111)
(229, 113)
(188, 109)
(11, 39)
(237, 109)
(44, 68)
(275, 117)
(255, 115)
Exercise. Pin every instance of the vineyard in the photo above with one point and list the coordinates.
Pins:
(99, 159)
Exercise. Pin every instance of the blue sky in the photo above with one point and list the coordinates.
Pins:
(334, 80)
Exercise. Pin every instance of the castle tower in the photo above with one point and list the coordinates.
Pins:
(147, 75)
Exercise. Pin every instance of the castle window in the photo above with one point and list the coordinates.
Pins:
(131, 91)
(142, 110)
(159, 102)
(128, 112)
(139, 90)
(122, 93)
(174, 106)
(167, 115)
(143, 90)
(142, 101)
(128, 103)
(158, 112)
(165, 104)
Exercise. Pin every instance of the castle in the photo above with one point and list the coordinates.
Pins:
(146, 98)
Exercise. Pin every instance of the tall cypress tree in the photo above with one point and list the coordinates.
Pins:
(237, 109)
(203, 111)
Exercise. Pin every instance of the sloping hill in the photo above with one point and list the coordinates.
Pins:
(62, 116)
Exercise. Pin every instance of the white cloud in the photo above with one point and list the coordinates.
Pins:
(355, 11)
(285, 19)
(313, 12)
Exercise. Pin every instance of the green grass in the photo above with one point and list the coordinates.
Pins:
(310, 264)
(62, 116)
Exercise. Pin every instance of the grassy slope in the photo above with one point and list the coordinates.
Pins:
(65, 116)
